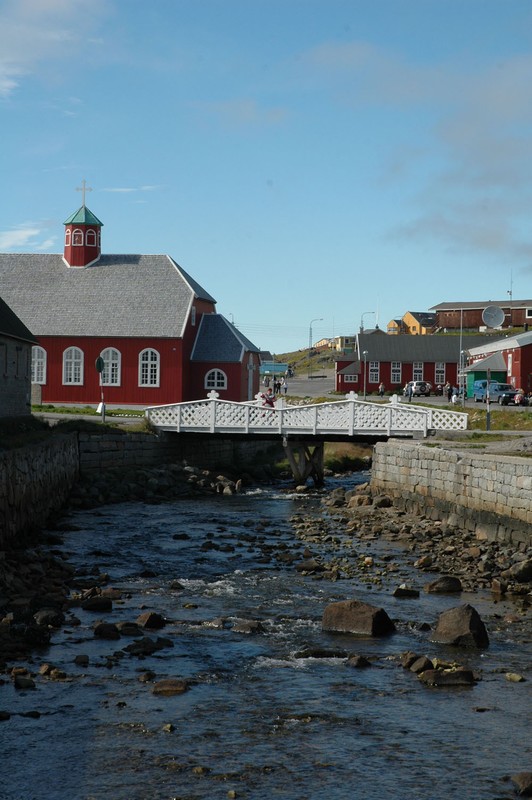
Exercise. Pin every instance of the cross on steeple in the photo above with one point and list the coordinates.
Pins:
(83, 188)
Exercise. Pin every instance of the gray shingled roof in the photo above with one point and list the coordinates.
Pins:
(11, 326)
(406, 348)
(218, 340)
(120, 295)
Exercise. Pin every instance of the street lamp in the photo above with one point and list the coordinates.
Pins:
(462, 379)
(365, 354)
(365, 314)
(318, 319)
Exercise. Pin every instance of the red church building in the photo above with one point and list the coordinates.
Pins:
(153, 326)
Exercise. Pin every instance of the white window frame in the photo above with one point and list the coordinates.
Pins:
(374, 375)
(528, 313)
(38, 365)
(149, 368)
(68, 237)
(77, 233)
(91, 238)
(417, 371)
(73, 362)
(439, 373)
(215, 379)
(350, 378)
(396, 372)
(112, 367)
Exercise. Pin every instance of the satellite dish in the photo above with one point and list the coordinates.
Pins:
(493, 316)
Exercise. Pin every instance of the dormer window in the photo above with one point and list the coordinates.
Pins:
(77, 237)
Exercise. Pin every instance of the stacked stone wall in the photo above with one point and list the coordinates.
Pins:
(490, 495)
(35, 482)
(99, 451)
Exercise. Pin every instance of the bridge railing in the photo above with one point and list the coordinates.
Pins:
(343, 417)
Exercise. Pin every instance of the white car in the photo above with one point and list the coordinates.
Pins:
(419, 388)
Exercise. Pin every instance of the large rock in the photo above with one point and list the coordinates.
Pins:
(447, 677)
(523, 783)
(97, 603)
(170, 686)
(353, 616)
(461, 626)
(152, 620)
(445, 584)
(520, 572)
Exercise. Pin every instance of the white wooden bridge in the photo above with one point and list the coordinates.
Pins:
(350, 417)
(305, 428)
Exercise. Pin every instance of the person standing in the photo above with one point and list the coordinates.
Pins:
(381, 389)
(449, 391)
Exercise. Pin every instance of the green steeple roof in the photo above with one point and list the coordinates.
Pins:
(83, 217)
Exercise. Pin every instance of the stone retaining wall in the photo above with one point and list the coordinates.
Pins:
(98, 451)
(34, 482)
(490, 495)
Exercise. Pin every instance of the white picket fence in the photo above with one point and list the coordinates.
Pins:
(349, 417)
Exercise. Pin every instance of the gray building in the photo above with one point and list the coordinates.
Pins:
(16, 342)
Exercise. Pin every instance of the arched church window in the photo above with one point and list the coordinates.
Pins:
(73, 366)
(111, 367)
(38, 365)
(215, 379)
(149, 368)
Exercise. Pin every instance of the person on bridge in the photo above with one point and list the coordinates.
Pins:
(268, 399)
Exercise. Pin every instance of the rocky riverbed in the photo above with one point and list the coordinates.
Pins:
(359, 539)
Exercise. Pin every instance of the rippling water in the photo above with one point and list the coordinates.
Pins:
(257, 720)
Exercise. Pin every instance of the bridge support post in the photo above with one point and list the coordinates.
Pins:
(306, 461)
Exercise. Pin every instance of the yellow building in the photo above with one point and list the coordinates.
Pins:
(416, 323)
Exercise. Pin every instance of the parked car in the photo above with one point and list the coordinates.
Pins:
(501, 393)
(479, 390)
(419, 388)
(505, 394)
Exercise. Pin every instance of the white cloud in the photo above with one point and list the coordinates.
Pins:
(131, 189)
(17, 237)
(33, 32)
(28, 237)
(471, 139)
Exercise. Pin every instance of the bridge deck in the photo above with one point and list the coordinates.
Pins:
(343, 418)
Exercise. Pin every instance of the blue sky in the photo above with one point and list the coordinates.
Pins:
(342, 160)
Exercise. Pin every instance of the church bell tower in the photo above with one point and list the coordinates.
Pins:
(83, 244)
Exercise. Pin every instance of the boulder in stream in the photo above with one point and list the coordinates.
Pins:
(461, 626)
(354, 616)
